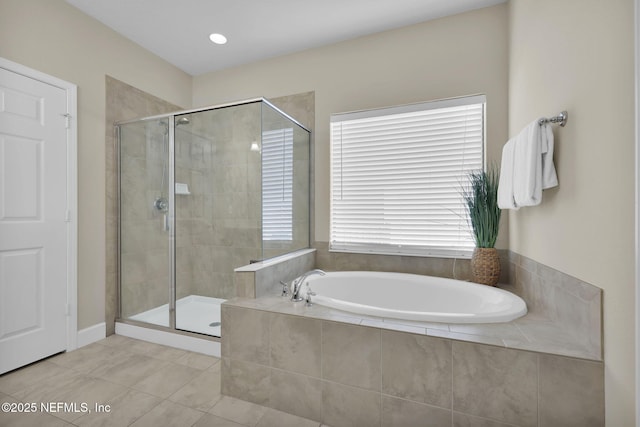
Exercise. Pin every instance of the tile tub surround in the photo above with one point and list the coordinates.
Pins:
(567, 303)
(263, 278)
(430, 266)
(323, 365)
(564, 312)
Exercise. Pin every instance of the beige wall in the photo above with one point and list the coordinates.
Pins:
(57, 39)
(459, 55)
(578, 55)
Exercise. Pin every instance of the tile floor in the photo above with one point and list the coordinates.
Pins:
(143, 384)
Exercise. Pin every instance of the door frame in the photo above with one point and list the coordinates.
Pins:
(636, 48)
(71, 91)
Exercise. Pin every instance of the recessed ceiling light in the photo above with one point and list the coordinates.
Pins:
(218, 38)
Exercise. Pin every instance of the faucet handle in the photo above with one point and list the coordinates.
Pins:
(308, 301)
(285, 288)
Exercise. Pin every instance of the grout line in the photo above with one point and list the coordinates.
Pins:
(321, 372)
(417, 402)
(493, 420)
(269, 403)
(380, 366)
(538, 390)
(452, 374)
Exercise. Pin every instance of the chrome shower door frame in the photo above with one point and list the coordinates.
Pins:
(172, 223)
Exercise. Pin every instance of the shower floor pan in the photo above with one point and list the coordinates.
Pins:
(194, 313)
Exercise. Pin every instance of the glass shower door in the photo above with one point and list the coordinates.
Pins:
(285, 184)
(145, 243)
(217, 209)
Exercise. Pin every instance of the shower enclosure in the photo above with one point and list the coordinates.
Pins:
(201, 193)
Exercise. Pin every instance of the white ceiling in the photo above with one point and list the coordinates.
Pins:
(178, 30)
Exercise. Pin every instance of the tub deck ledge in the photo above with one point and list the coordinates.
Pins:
(532, 332)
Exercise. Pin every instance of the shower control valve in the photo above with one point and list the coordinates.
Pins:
(161, 204)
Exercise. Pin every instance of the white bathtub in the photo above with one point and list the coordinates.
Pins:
(414, 297)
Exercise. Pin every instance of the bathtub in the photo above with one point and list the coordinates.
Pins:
(414, 297)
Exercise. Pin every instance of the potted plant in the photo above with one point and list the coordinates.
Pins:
(481, 201)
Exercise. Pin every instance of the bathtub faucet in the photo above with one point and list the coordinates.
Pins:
(297, 284)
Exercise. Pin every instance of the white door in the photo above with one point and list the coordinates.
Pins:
(33, 227)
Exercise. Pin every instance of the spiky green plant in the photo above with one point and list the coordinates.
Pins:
(481, 200)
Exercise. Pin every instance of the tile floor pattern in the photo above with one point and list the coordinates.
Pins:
(144, 384)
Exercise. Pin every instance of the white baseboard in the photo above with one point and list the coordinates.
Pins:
(184, 342)
(92, 334)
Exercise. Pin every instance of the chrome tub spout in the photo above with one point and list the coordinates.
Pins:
(297, 284)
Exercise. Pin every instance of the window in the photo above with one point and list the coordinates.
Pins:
(277, 185)
(396, 177)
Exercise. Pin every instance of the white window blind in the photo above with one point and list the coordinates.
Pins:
(396, 177)
(277, 185)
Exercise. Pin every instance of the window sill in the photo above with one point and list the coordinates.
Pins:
(426, 253)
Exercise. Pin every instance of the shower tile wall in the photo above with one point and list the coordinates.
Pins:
(218, 224)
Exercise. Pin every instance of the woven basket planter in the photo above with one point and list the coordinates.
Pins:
(485, 266)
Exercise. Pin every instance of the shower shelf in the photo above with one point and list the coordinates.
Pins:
(182, 188)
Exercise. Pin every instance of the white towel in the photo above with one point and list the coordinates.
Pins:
(527, 168)
(505, 185)
(549, 177)
(532, 168)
